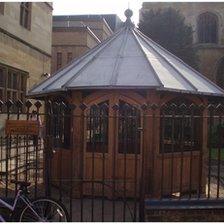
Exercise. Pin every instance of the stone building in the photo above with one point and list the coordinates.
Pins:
(207, 21)
(25, 46)
(73, 35)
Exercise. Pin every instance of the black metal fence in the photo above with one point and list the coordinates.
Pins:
(102, 161)
(21, 156)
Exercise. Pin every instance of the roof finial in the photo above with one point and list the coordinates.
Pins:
(128, 13)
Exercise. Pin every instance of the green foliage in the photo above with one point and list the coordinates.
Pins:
(167, 27)
(215, 154)
(216, 136)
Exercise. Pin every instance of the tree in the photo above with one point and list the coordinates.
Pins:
(167, 27)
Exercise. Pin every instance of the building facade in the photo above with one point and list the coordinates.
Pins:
(73, 35)
(207, 21)
(25, 46)
(70, 42)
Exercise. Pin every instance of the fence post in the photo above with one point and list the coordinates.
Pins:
(47, 160)
(142, 179)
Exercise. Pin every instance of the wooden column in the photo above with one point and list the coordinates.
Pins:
(204, 146)
(78, 143)
(151, 143)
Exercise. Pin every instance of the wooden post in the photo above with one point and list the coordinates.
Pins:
(77, 147)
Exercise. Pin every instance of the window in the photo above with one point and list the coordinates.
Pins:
(12, 84)
(97, 128)
(69, 57)
(59, 60)
(128, 132)
(25, 14)
(207, 28)
(2, 6)
(215, 126)
(180, 127)
(60, 123)
(220, 73)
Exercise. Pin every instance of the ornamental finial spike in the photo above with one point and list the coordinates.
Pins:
(128, 13)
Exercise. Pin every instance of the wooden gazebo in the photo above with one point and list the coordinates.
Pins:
(129, 70)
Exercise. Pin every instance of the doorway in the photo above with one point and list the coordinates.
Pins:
(113, 148)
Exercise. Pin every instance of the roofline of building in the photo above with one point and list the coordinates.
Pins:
(49, 5)
(77, 60)
(107, 25)
(65, 86)
(68, 29)
(84, 17)
(92, 34)
(67, 18)
(157, 88)
(181, 61)
(72, 18)
(98, 17)
(78, 28)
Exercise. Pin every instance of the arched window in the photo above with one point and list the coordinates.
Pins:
(97, 128)
(180, 127)
(220, 73)
(128, 132)
(207, 28)
(60, 123)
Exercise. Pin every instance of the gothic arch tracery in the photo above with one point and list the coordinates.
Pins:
(207, 27)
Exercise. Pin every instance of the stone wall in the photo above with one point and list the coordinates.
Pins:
(27, 50)
(209, 58)
(21, 56)
(39, 34)
(23, 49)
(191, 215)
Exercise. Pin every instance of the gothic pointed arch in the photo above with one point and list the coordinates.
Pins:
(59, 122)
(180, 126)
(207, 27)
(97, 123)
(128, 128)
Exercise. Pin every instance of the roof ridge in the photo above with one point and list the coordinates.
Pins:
(150, 65)
(178, 59)
(181, 75)
(91, 60)
(113, 79)
(128, 60)
(77, 60)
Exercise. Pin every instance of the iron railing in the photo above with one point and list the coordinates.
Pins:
(102, 161)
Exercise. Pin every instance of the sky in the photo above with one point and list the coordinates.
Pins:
(76, 7)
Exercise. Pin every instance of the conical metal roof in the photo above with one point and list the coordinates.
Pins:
(128, 60)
